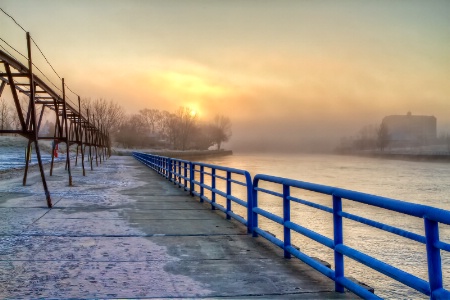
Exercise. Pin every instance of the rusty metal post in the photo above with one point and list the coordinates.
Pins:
(99, 141)
(27, 154)
(94, 137)
(33, 119)
(90, 140)
(81, 135)
(103, 144)
(2, 87)
(53, 149)
(67, 132)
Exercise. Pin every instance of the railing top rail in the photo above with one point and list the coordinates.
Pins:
(232, 170)
(180, 160)
(164, 157)
(412, 209)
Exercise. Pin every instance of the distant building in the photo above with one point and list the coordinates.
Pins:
(411, 130)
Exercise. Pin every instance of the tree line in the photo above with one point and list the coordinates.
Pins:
(153, 128)
(378, 137)
(369, 137)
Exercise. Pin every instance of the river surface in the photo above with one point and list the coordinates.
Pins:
(418, 182)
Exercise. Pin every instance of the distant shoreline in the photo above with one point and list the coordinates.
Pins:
(403, 156)
(179, 154)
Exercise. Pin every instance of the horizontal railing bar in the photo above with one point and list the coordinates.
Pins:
(412, 209)
(311, 204)
(204, 198)
(237, 200)
(356, 288)
(443, 246)
(223, 194)
(202, 185)
(179, 160)
(398, 231)
(180, 176)
(207, 173)
(237, 217)
(268, 192)
(269, 237)
(311, 234)
(232, 170)
(220, 177)
(311, 262)
(441, 294)
(237, 182)
(268, 215)
(218, 206)
(388, 270)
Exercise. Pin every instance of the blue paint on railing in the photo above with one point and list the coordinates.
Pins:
(184, 174)
(189, 175)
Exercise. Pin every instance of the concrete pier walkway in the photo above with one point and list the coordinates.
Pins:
(125, 232)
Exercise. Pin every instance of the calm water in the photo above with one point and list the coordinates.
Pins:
(419, 182)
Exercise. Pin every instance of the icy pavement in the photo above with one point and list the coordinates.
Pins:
(14, 157)
(122, 231)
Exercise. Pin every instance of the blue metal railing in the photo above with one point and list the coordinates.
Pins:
(202, 169)
(432, 217)
(191, 175)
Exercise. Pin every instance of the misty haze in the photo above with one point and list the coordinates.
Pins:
(169, 149)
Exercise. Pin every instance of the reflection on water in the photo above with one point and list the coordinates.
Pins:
(418, 182)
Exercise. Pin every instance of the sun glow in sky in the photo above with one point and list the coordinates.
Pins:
(285, 72)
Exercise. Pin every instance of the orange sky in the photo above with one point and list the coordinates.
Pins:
(291, 72)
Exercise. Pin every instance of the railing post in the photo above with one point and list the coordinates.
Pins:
(191, 178)
(254, 203)
(433, 255)
(286, 218)
(202, 181)
(249, 184)
(175, 176)
(213, 186)
(165, 163)
(178, 172)
(185, 175)
(228, 194)
(338, 239)
(169, 169)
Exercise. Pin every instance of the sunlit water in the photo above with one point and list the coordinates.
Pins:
(418, 182)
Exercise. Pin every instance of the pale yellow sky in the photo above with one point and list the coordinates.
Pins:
(284, 71)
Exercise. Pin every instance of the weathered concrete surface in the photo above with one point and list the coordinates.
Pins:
(125, 232)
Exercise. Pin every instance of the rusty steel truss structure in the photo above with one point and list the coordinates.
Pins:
(72, 127)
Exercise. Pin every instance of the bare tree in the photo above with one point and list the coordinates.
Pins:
(186, 124)
(151, 118)
(382, 136)
(169, 125)
(4, 115)
(222, 130)
(132, 132)
(203, 136)
(109, 114)
(178, 128)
